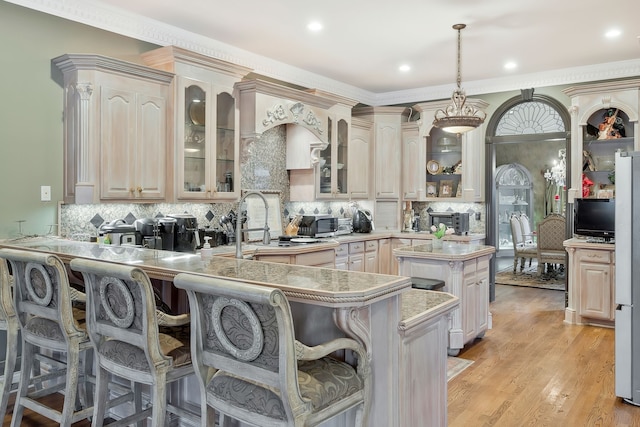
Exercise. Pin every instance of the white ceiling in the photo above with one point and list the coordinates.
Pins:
(363, 42)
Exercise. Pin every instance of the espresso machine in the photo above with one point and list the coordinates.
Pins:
(148, 233)
(185, 235)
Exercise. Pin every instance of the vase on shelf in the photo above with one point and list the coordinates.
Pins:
(436, 243)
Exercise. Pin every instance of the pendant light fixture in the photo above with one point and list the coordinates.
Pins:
(459, 117)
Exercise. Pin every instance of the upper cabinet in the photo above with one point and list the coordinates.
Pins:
(333, 168)
(413, 164)
(604, 119)
(452, 165)
(116, 127)
(360, 159)
(387, 148)
(206, 137)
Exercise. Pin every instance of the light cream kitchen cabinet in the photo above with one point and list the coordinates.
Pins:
(360, 159)
(333, 171)
(387, 129)
(116, 127)
(207, 141)
(475, 298)
(371, 256)
(591, 292)
(384, 256)
(358, 256)
(413, 162)
(133, 165)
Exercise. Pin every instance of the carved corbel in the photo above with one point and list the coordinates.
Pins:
(352, 322)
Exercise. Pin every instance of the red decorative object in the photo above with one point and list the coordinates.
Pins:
(586, 186)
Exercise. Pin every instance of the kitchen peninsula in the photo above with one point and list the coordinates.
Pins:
(326, 303)
(465, 272)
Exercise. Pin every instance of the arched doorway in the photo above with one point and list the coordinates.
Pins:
(531, 130)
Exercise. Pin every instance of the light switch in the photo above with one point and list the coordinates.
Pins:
(45, 193)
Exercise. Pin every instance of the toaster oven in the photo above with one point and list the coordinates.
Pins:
(459, 221)
(318, 226)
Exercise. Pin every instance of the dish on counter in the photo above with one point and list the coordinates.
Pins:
(304, 240)
(197, 112)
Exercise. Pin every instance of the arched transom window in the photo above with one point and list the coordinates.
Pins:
(530, 118)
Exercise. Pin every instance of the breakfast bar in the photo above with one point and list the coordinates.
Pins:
(325, 303)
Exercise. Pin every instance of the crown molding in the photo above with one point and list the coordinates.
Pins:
(105, 17)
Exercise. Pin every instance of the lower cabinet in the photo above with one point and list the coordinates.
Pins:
(475, 298)
(358, 256)
(591, 286)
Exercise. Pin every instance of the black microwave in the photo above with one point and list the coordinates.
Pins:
(459, 221)
(318, 226)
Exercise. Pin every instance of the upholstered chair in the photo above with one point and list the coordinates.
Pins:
(252, 368)
(122, 321)
(551, 236)
(521, 249)
(9, 324)
(50, 325)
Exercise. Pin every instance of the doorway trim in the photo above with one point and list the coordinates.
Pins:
(492, 140)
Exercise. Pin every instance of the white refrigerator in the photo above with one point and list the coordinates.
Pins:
(627, 277)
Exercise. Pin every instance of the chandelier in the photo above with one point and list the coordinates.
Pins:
(459, 118)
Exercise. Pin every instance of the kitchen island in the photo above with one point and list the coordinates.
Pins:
(465, 272)
(326, 303)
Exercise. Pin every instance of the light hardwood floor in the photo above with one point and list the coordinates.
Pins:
(532, 369)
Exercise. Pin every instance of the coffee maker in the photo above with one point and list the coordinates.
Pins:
(148, 233)
(185, 236)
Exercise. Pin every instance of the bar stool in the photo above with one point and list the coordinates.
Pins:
(50, 326)
(251, 368)
(123, 324)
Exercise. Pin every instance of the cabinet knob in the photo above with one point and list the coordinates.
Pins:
(139, 189)
(131, 190)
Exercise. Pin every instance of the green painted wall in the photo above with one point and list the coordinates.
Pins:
(31, 140)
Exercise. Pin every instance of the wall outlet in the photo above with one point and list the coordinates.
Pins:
(45, 193)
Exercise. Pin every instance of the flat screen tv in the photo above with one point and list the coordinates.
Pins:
(594, 218)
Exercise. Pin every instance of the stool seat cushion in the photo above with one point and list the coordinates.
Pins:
(322, 382)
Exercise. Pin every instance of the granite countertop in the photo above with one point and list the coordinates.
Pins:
(322, 286)
(449, 252)
(418, 305)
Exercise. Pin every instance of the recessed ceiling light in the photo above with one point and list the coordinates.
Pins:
(314, 26)
(404, 68)
(613, 33)
(510, 65)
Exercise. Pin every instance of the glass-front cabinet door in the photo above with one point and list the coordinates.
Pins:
(207, 151)
(444, 165)
(334, 161)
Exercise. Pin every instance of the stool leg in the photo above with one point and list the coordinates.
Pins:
(100, 399)
(137, 400)
(71, 386)
(25, 374)
(9, 368)
(159, 411)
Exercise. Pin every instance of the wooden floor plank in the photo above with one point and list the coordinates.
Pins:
(532, 369)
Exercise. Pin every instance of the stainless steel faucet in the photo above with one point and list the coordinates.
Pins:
(266, 239)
